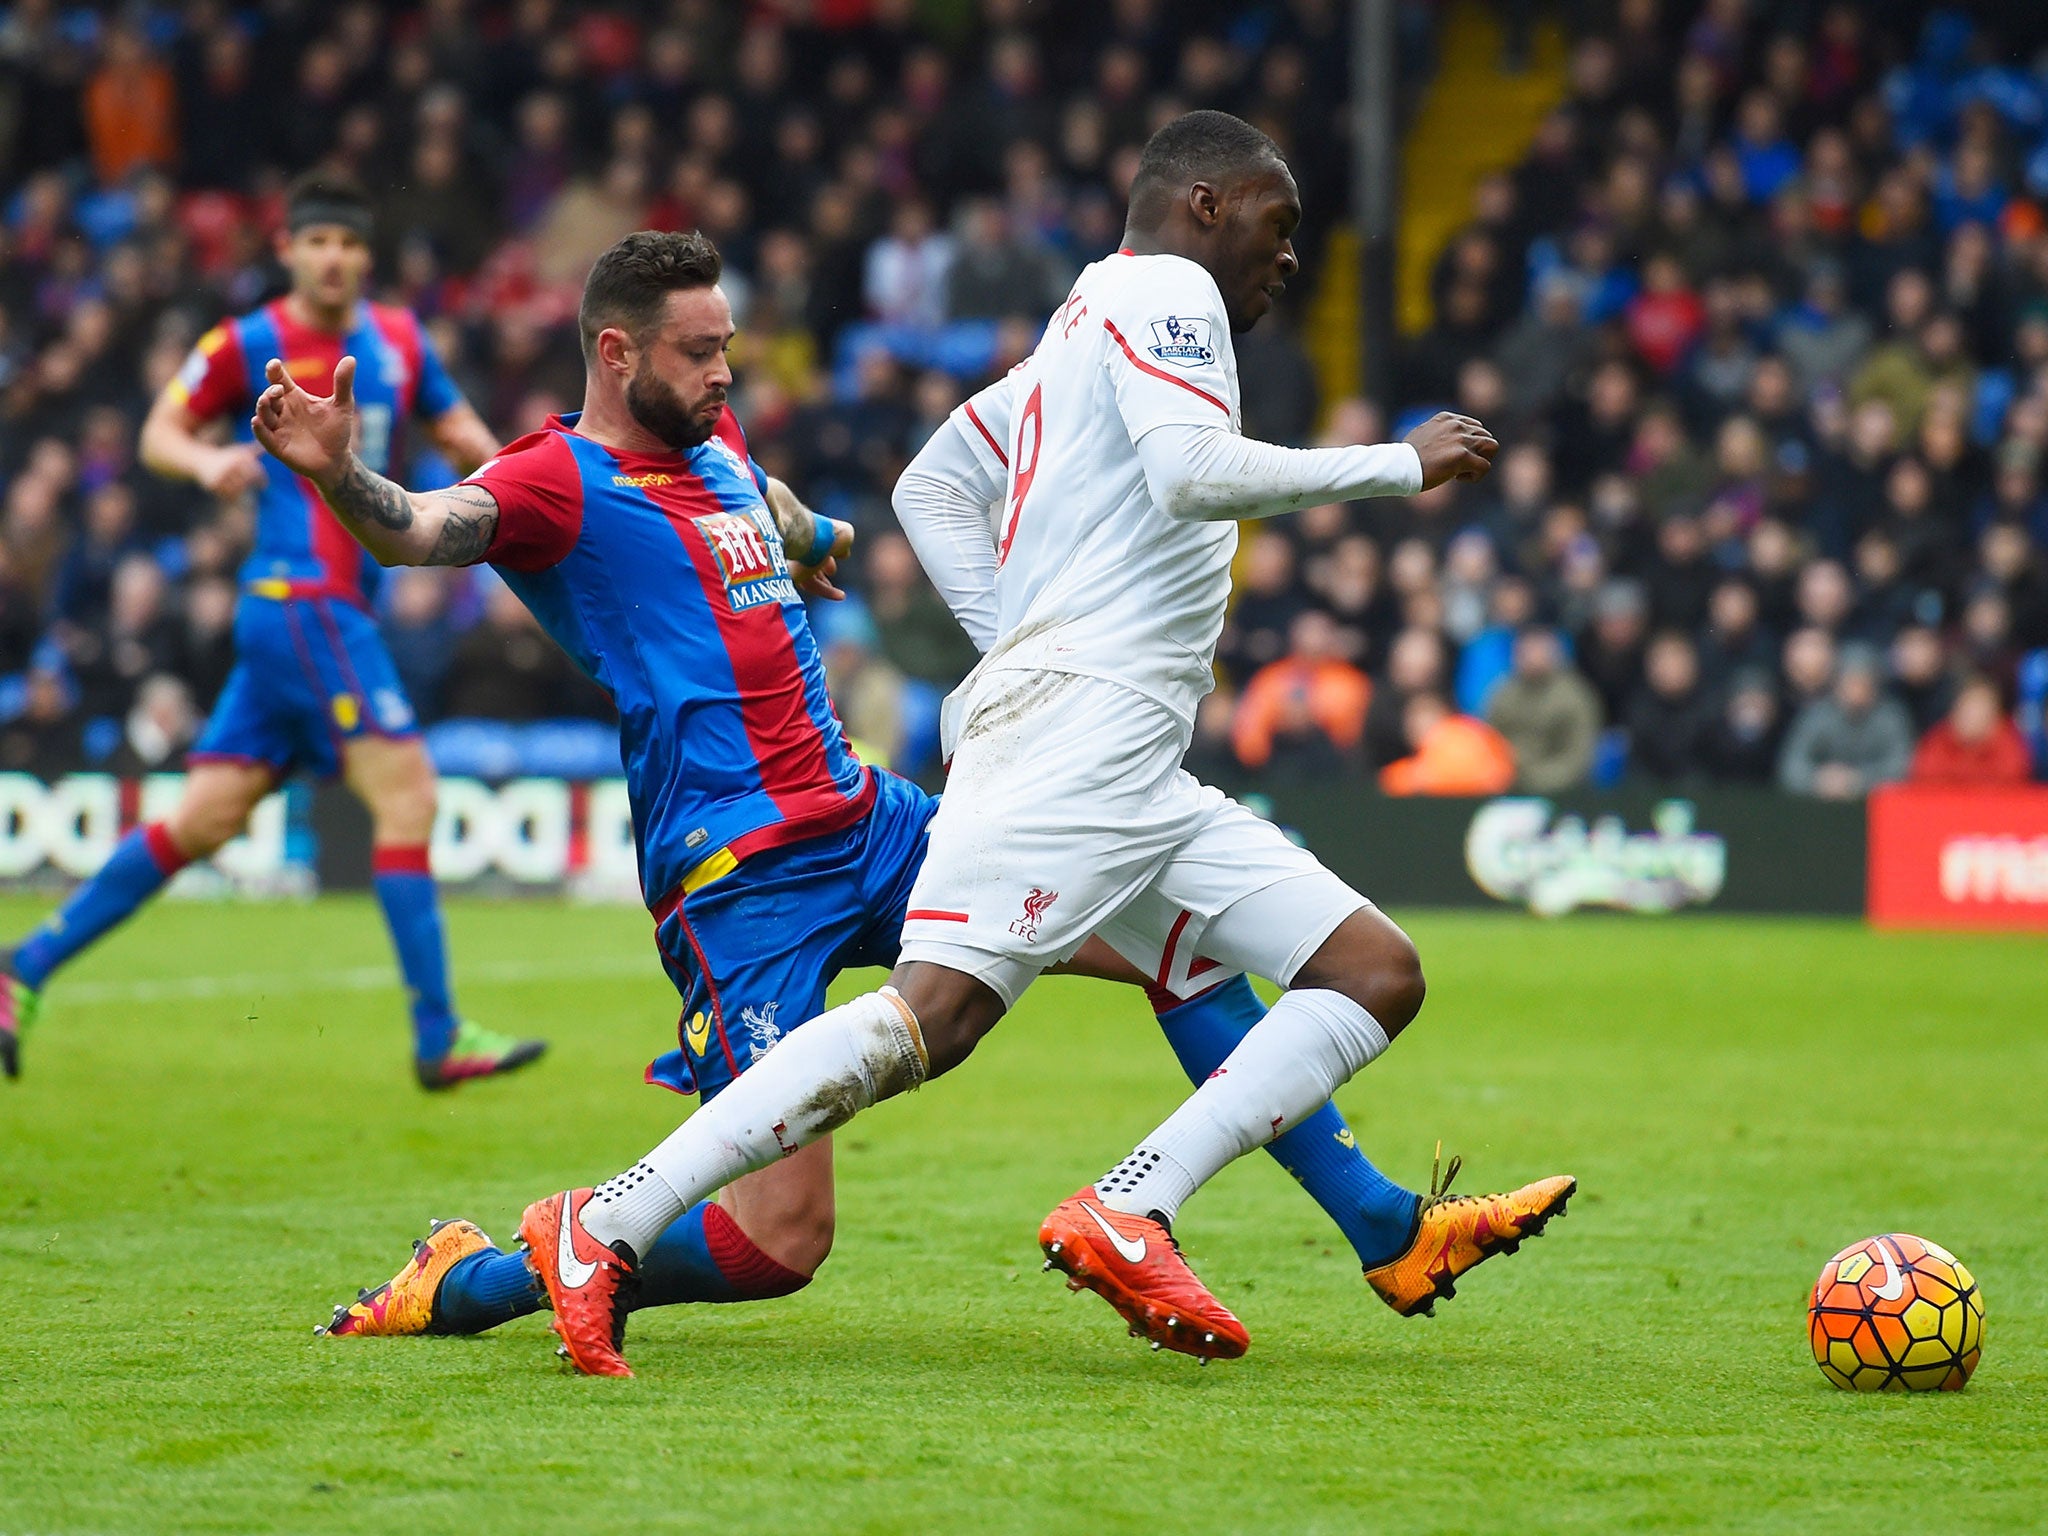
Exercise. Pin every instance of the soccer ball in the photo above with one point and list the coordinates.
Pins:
(1896, 1314)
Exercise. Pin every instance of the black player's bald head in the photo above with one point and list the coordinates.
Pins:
(1211, 147)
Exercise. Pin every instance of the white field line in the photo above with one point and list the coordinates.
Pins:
(363, 978)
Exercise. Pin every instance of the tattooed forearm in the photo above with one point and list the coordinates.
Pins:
(792, 517)
(470, 522)
(363, 496)
(451, 527)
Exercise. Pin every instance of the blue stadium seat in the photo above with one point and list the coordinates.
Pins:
(101, 738)
(1610, 758)
(2033, 706)
(476, 749)
(569, 749)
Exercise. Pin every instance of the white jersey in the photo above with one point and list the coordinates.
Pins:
(1092, 576)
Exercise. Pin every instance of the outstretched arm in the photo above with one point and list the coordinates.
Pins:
(462, 437)
(1208, 473)
(313, 435)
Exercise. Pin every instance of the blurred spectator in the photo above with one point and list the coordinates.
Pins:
(1212, 755)
(138, 638)
(907, 268)
(1269, 599)
(1976, 744)
(1548, 715)
(1743, 741)
(1920, 675)
(44, 738)
(1308, 708)
(160, 727)
(85, 579)
(866, 690)
(508, 669)
(130, 107)
(1842, 745)
(996, 272)
(1415, 665)
(1449, 753)
(917, 632)
(1611, 654)
(421, 635)
(1672, 716)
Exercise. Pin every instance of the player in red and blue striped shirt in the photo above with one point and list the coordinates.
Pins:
(313, 686)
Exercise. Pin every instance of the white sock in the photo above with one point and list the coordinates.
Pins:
(1283, 1071)
(818, 1077)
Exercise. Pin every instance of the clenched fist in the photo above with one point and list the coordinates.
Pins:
(1452, 447)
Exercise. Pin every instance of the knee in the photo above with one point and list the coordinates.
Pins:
(796, 1233)
(1397, 986)
(949, 1039)
(1382, 973)
(404, 811)
(953, 1012)
(201, 828)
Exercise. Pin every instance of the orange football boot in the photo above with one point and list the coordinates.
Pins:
(1455, 1232)
(404, 1304)
(584, 1278)
(1133, 1263)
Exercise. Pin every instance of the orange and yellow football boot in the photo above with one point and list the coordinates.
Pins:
(1133, 1263)
(1455, 1232)
(404, 1304)
(585, 1279)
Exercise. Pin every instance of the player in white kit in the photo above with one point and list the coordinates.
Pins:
(1067, 811)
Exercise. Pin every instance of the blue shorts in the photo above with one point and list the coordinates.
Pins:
(753, 951)
(311, 674)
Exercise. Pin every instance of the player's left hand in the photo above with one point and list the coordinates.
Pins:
(815, 579)
(310, 434)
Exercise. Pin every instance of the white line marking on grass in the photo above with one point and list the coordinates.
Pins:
(362, 978)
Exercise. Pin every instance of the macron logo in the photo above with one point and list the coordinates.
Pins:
(638, 482)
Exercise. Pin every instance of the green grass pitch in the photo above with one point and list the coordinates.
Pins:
(217, 1139)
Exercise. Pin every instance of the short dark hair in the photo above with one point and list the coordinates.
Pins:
(321, 197)
(1198, 146)
(630, 282)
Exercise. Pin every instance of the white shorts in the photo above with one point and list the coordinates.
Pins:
(1067, 814)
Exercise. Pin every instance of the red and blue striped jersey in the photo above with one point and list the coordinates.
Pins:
(663, 576)
(398, 376)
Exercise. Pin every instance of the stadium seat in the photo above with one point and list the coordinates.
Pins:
(568, 749)
(1610, 758)
(478, 749)
(2033, 706)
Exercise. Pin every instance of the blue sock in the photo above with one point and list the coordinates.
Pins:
(1376, 1215)
(134, 872)
(680, 1266)
(412, 911)
(487, 1288)
(493, 1287)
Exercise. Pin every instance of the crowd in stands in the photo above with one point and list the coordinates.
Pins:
(1762, 324)
(1761, 321)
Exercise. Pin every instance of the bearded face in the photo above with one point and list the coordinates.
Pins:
(661, 409)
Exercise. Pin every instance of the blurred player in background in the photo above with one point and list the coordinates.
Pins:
(313, 686)
(1067, 811)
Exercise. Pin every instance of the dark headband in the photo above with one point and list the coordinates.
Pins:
(318, 210)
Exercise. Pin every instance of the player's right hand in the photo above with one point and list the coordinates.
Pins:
(310, 434)
(231, 471)
(1452, 447)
